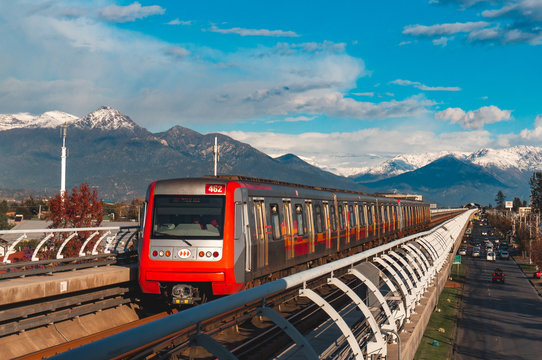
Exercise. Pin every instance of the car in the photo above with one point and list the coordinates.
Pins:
(537, 274)
(505, 255)
(462, 251)
(490, 256)
(498, 276)
(484, 233)
(476, 251)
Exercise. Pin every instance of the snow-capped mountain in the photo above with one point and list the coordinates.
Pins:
(49, 119)
(523, 158)
(106, 118)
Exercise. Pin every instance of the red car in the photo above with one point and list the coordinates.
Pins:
(537, 274)
(498, 276)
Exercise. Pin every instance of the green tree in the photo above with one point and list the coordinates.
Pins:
(499, 200)
(536, 191)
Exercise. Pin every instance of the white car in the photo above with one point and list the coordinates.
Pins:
(476, 252)
(490, 256)
(462, 251)
(505, 255)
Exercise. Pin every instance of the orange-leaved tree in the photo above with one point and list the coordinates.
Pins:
(80, 208)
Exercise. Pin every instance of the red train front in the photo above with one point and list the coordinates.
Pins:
(186, 228)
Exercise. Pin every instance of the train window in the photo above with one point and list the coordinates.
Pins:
(341, 217)
(275, 221)
(188, 217)
(351, 216)
(318, 215)
(369, 215)
(299, 219)
(361, 216)
(333, 218)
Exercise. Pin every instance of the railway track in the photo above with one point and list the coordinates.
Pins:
(242, 331)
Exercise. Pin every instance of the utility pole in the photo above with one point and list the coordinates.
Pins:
(63, 165)
(216, 155)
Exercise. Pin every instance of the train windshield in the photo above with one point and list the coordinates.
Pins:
(188, 217)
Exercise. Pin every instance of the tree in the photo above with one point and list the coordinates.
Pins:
(516, 204)
(3, 217)
(499, 200)
(536, 191)
(81, 208)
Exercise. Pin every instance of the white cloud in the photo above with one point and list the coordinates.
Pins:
(253, 32)
(179, 22)
(177, 52)
(474, 119)
(299, 118)
(443, 29)
(425, 87)
(536, 133)
(443, 41)
(369, 94)
(132, 12)
(347, 152)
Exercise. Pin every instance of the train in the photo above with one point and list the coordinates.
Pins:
(218, 235)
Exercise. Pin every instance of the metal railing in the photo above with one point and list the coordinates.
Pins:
(431, 249)
(35, 251)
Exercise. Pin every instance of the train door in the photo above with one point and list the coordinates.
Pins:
(363, 220)
(262, 246)
(333, 225)
(310, 226)
(357, 221)
(327, 224)
(299, 233)
(400, 217)
(351, 222)
(288, 229)
(341, 231)
(383, 218)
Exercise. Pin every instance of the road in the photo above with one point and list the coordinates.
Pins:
(498, 321)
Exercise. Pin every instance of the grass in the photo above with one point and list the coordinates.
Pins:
(449, 304)
(528, 270)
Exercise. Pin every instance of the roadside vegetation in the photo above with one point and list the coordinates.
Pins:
(438, 339)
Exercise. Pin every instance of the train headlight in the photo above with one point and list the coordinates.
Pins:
(208, 254)
(161, 253)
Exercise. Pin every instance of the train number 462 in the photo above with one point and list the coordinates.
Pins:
(215, 189)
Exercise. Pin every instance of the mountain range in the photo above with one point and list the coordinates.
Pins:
(110, 151)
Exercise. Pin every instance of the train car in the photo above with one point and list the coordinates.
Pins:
(203, 237)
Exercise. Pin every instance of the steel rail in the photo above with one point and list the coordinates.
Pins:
(119, 344)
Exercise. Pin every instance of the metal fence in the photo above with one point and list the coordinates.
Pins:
(36, 251)
(406, 266)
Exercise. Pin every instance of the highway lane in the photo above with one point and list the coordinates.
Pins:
(498, 321)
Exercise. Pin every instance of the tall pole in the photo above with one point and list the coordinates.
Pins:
(216, 154)
(63, 166)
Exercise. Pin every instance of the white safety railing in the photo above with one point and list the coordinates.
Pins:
(104, 240)
(406, 266)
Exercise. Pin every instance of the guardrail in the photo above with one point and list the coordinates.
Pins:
(405, 266)
(442, 211)
(37, 251)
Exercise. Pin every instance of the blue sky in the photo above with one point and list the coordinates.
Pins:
(343, 84)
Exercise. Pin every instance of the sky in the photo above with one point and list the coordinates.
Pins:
(343, 84)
